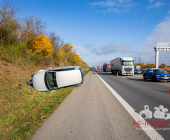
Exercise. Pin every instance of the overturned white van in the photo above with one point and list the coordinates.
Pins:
(52, 79)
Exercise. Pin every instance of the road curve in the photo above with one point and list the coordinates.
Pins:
(90, 112)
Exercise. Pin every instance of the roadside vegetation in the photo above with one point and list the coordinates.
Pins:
(144, 66)
(25, 47)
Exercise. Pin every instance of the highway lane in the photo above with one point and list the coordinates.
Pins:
(139, 93)
(90, 112)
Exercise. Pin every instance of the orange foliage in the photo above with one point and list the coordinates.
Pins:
(41, 45)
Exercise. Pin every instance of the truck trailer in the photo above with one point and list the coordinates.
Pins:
(122, 66)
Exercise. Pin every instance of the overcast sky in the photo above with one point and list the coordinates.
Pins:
(101, 30)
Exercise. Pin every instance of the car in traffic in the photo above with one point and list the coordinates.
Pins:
(137, 71)
(156, 74)
(52, 79)
(91, 69)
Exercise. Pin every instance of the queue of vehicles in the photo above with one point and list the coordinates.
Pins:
(125, 66)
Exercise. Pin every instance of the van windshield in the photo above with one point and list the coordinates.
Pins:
(82, 75)
(50, 80)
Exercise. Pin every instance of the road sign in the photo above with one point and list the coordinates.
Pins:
(85, 67)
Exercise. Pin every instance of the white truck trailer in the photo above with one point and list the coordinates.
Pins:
(122, 65)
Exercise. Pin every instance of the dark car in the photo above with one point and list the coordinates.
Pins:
(156, 74)
(137, 71)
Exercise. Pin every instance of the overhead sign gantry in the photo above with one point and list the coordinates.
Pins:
(160, 46)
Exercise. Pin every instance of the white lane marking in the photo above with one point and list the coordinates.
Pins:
(152, 133)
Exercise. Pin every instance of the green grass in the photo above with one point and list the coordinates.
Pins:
(19, 54)
(23, 109)
(85, 72)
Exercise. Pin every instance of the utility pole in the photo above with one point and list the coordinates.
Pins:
(139, 59)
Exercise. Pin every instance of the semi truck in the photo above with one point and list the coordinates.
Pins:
(106, 67)
(98, 68)
(122, 66)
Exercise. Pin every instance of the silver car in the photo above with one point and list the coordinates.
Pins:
(137, 71)
(52, 79)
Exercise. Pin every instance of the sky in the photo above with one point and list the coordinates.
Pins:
(102, 30)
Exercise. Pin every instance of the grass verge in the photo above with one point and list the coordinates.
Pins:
(23, 109)
(85, 72)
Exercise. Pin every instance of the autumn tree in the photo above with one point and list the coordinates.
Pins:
(9, 26)
(152, 65)
(148, 65)
(76, 61)
(163, 66)
(61, 56)
(40, 44)
(55, 41)
(142, 66)
(68, 49)
(32, 26)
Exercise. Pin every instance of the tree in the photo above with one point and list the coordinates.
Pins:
(32, 26)
(163, 66)
(40, 44)
(55, 41)
(9, 26)
(142, 66)
(68, 49)
(152, 65)
(61, 56)
(148, 65)
(76, 61)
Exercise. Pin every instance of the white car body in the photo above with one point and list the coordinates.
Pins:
(44, 80)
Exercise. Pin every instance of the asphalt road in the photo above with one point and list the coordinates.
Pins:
(139, 93)
(92, 112)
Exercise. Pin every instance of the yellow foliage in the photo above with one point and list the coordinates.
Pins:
(61, 55)
(41, 45)
(68, 56)
(76, 59)
(68, 48)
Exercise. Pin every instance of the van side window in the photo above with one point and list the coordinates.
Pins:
(66, 69)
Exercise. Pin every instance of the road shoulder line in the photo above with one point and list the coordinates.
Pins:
(152, 133)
